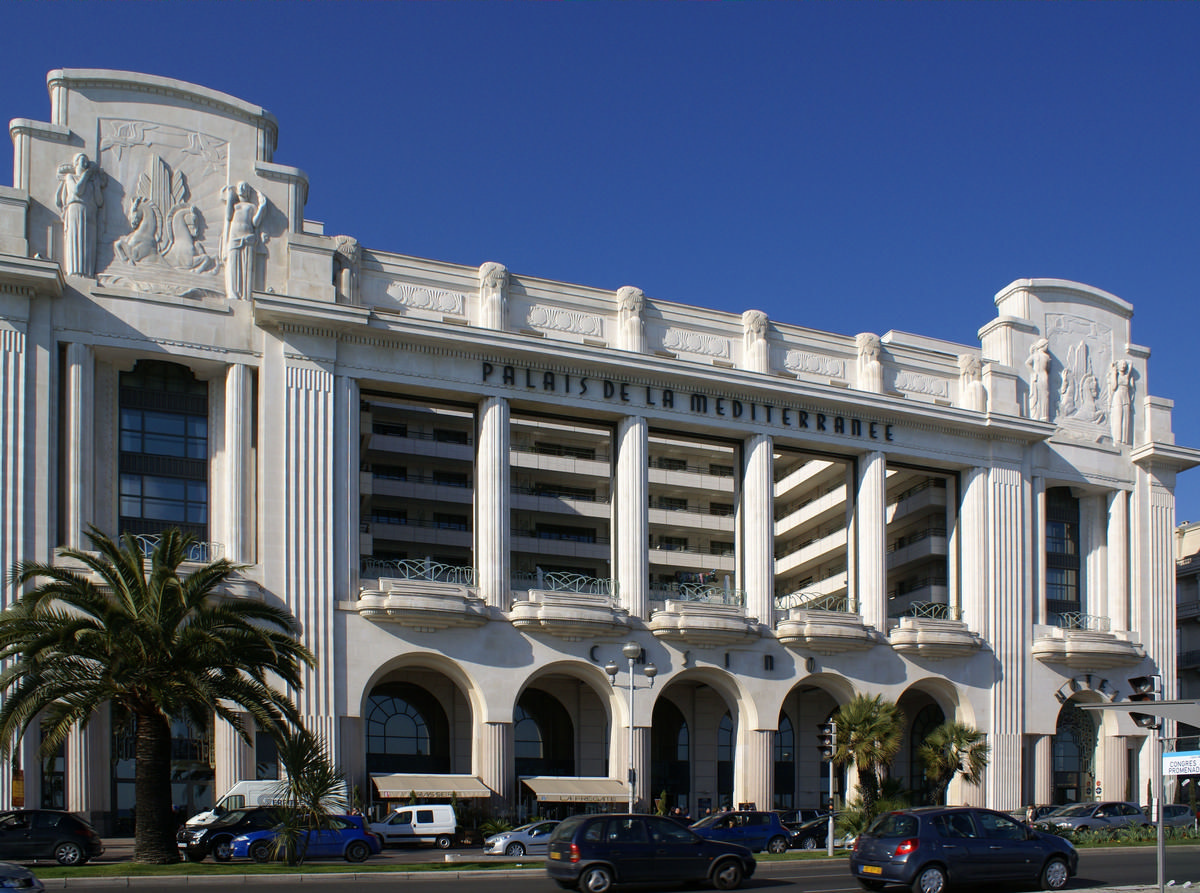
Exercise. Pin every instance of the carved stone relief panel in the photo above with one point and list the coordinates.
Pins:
(421, 297)
(800, 362)
(916, 383)
(558, 319)
(1082, 354)
(683, 341)
(161, 223)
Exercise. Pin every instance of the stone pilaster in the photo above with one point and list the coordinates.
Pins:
(631, 563)
(494, 759)
(238, 465)
(493, 515)
(758, 556)
(307, 526)
(756, 769)
(643, 797)
(1043, 769)
(12, 483)
(1157, 577)
(1038, 603)
(1113, 772)
(872, 543)
(77, 442)
(87, 789)
(1007, 632)
(1118, 559)
(973, 530)
(347, 557)
(235, 759)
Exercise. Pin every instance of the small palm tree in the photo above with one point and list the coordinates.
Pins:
(953, 749)
(314, 788)
(870, 731)
(155, 645)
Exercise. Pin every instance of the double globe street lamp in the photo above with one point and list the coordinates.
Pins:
(633, 652)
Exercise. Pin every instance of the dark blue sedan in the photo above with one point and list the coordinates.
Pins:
(755, 830)
(342, 837)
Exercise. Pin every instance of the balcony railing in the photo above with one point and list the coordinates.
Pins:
(1078, 620)
(562, 581)
(419, 569)
(713, 595)
(202, 553)
(933, 611)
(814, 601)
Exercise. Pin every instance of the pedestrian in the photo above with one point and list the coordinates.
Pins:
(1030, 815)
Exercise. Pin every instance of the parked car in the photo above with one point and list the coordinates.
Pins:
(531, 839)
(1038, 812)
(813, 834)
(29, 834)
(19, 877)
(1178, 815)
(593, 852)
(345, 836)
(1094, 816)
(793, 817)
(433, 823)
(755, 830)
(934, 848)
(195, 842)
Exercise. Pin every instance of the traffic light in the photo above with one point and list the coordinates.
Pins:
(1146, 688)
(827, 739)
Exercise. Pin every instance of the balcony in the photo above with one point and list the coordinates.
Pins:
(422, 595)
(933, 631)
(573, 607)
(822, 624)
(704, 616)
(1084, 642)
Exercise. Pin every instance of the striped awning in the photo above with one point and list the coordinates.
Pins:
(404, 784)
(573, 789)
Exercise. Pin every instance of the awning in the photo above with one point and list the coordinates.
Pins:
(571, 789)
(397, 787)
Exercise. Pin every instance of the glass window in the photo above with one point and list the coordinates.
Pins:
(394, 726)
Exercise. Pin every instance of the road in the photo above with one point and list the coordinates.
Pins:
(1117, 867)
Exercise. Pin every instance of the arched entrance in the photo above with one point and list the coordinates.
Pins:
(407, 730)
(1075, 740)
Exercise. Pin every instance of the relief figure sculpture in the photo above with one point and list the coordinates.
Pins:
(870, 369)
(1038, 362)
(972, 394)
(1120, 387)
(244, 210)
(79, 199)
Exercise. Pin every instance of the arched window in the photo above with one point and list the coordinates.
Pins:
(406, 730)
(784, 794)
(394, 726)
(527, 735)
(726, 739)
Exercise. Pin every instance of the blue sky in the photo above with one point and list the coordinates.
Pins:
(843, 166)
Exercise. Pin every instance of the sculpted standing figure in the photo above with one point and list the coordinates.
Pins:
(756, 352)
(1120, 387)
(971, 391)
(80, 197)
(1038, 362)
(631, 327)
(870, 369)
(243, 214)
(493, 295)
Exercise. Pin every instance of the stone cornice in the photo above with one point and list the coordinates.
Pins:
(42, 276)
(1165, 455)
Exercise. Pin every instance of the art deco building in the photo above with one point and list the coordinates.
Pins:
(474, 487)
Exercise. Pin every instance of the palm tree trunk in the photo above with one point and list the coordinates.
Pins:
(154, 830)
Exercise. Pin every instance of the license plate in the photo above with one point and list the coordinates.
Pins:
(556, 855)
(872, 869)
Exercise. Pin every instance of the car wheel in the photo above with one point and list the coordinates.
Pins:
(777, 845)
(1055, 874)
(357, 851)
(728, 875)
(444, 841)
(597, 879)
(808, 843)
(260, 851)
(514, 849)
(930, 879)
(69, 853)
(222, 849)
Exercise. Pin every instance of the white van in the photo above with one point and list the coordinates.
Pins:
(423, 823)
(259, 792)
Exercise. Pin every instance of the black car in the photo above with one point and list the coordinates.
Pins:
(593, 852)
(813, 834)
(195, 842)
(793, 817)
(30, 834)
(937, 847)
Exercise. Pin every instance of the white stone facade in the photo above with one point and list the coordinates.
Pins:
(473, 486)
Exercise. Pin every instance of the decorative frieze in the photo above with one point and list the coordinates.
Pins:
(683, 341)
(559, 319)
(916, 383)
(801, 362)
(420, 297)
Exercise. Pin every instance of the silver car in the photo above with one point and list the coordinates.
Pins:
(529, 839)
(1095, 816)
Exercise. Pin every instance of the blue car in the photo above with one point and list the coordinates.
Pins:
(755, 830)
(345, 836)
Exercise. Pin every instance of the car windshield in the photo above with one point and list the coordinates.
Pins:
(709, 820)
(1076, 810)
(893, 824)
(230, 818)
(566, 829)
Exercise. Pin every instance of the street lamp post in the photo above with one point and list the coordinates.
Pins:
(632, 651)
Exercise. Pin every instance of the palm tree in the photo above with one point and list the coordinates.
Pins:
(869, 733)
(314, 788)
(155, 645)
(953, 749)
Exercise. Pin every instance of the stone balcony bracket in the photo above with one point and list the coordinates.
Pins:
(1085, 649)
(825, 632)
(703, 624)
(933, 639)
(423, 605)
(573, 616)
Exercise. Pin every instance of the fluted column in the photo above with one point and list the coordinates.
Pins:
(77, 444)
(235, 759)
(755, 762)
(12, 481)
(347, 551)
(493, 516)
(1118, 559)
(86, 752)
(1038, 596)
(239, 469)
(758, 555)
(973, 527)
(1043, 768)
(1158, 577)
(1113, 773)
(631, 562)
(643, 797)
(872, 533)
(308, 531)
(494, 759)
(1007, 632)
